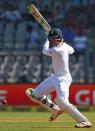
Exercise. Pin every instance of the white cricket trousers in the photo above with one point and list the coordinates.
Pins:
(59, 84)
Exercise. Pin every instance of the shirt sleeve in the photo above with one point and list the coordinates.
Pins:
(46, 50)
(70, 49)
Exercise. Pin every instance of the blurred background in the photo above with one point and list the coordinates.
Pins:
(21, 39)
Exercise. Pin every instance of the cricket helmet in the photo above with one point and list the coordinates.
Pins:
(55, 33)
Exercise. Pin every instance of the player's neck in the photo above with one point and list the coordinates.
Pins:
(61, 43)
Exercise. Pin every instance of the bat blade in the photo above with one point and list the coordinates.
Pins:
(39, 18)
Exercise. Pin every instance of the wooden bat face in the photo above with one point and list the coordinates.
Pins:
(39, 18)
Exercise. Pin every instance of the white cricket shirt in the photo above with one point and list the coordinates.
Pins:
(60, 58)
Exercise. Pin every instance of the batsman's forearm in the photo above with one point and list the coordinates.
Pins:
(46, 49)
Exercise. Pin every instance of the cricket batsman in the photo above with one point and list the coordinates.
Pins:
(59, 81)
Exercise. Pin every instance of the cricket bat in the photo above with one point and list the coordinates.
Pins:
(39, 18)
